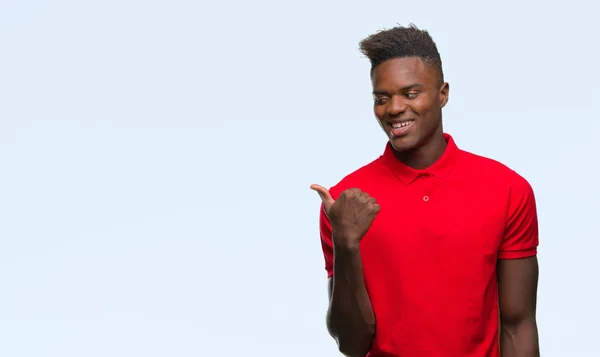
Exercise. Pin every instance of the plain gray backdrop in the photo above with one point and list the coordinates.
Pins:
(156, 157)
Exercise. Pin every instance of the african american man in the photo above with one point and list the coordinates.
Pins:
(430, 250)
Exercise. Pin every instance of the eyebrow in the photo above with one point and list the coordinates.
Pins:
(403, 89)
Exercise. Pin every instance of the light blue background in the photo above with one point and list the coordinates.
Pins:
(155, 161)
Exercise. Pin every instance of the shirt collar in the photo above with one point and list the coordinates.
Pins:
(441, 168)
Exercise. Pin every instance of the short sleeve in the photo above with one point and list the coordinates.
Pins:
(521, 229)
(326, 241)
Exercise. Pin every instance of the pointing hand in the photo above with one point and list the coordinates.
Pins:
(351, 215)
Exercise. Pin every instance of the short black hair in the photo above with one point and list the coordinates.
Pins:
(399, 42)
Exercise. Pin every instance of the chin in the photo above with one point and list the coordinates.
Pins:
(405, 143)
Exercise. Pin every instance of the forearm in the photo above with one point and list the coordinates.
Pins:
(519, 339)
(350, 318)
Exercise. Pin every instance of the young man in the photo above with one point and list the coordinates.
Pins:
(430, 250)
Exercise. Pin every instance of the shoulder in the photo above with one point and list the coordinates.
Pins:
(359, 178)
(486, 167)
(493, 171)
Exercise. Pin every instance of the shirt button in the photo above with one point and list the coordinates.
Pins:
(425, 198)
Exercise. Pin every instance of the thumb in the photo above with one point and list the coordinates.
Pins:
(325, 196)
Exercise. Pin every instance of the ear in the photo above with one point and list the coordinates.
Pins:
(444, 93)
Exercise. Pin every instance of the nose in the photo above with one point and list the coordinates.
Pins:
(397, 105)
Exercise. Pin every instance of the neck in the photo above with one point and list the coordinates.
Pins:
(425, 155)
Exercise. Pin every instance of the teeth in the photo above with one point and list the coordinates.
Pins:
(401, 124)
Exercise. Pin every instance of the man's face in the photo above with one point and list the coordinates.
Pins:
(409, 96)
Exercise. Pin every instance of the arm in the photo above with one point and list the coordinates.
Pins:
(350, 318)
(517, 288)
(517, 272)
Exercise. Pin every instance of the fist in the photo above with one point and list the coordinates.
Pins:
(351, 215)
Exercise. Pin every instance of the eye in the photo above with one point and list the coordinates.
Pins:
(380, 100)
(412, 95)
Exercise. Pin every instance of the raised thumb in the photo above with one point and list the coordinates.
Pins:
(325, 196)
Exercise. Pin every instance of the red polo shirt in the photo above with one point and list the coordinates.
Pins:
(429, 259)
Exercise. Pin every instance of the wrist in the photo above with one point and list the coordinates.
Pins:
(346, 245)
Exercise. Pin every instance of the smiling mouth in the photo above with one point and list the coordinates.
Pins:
(402, 124)
(401, 128)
